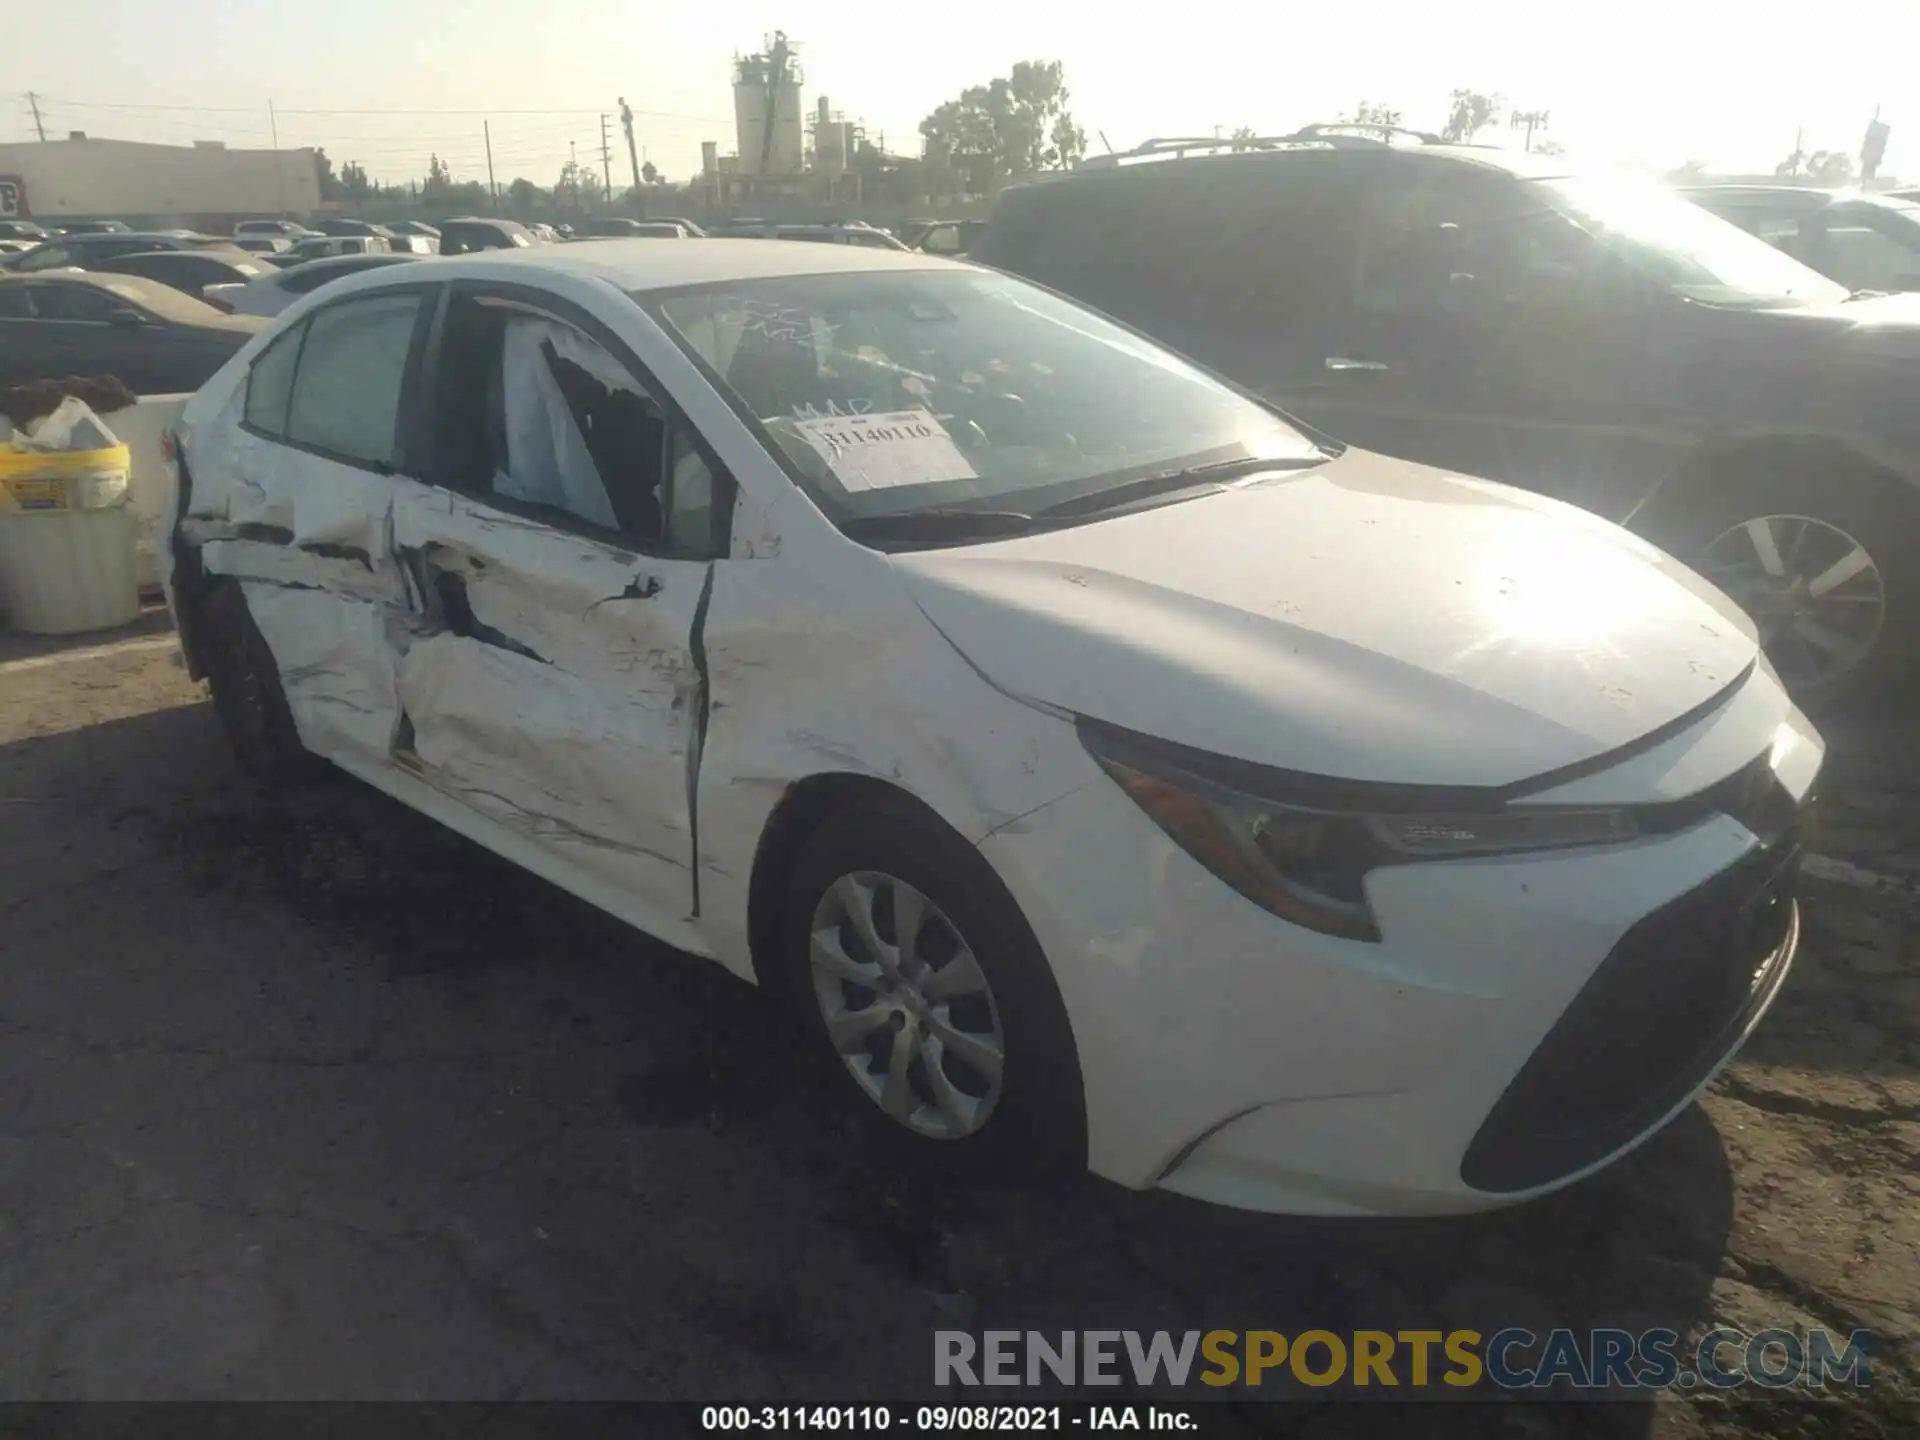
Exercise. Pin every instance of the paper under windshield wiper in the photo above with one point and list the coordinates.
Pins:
(1172, 482)
(936, 524)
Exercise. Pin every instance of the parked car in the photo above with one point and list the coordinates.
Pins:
(277, 289)
(544, 233)
(635, 230)
(346, 225)
(413, 227)
(16, 247)
(191, 272)
(95, 227)
(320, 246)
(948, 237)
(839, 235)
(263, 244)
(464, 237)
(741, 227)
(413, 244)
(148, 335)
(1597, 339)
(1866, 242)
(87, 251)
(288, 230)
(1903, 194)
(22, 230)
(688, 227)
(1296, 829)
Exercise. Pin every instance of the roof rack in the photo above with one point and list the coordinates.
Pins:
(1339, 134)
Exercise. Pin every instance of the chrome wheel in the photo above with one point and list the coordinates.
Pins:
(906, 1005)
(1815, 593)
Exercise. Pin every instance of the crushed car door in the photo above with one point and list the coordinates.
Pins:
(554, 685)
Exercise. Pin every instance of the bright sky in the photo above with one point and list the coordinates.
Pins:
(1627, 82)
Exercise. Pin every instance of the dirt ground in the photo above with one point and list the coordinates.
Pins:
(306, 1097)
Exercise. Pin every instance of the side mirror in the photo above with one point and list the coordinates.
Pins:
(126, 318)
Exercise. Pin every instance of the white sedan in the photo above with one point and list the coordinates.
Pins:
(277, 289)
(1110, 774)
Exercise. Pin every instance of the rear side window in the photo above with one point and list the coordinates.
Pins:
(270, 384)
(346, 396)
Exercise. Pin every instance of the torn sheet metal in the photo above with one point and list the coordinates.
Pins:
(562, 699)
(336, 665)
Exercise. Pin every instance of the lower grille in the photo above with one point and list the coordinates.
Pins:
(1652, 1022)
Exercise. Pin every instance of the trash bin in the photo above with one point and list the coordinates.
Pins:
(66, 540)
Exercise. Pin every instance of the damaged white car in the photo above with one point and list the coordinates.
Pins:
(1109, 772)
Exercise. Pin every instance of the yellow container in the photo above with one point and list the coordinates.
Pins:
(67, 558)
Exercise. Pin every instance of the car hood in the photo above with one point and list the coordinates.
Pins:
(1369, 619)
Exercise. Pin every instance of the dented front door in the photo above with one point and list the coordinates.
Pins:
(551, 686)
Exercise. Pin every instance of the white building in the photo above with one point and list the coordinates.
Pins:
(198, 184)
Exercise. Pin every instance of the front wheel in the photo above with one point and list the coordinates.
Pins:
(928, 999)
(1825, 569)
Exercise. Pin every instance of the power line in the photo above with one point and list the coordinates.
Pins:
(294, 110)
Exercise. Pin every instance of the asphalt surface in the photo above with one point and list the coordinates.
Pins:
(305, 1097)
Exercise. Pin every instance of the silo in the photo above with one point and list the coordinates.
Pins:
(769, 126)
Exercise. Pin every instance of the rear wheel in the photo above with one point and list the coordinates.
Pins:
(1824, 566)
(927, 1000)
(247, 694)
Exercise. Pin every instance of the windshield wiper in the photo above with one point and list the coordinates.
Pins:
(936, 524)
(1171, 482)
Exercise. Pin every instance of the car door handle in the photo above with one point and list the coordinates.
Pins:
(1340, 364)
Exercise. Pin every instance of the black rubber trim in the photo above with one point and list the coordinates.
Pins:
(1660, 1013)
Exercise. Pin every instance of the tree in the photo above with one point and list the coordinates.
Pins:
(1243, 137)
(1011, 128)
(1791, 165)
(323, 171)
(650, 173)
(1367, 115)
(1468, 113)
(1688, 173)
(354, 184)
(439, 179)
(524, 196)
(1831, 168)
(1549, 147)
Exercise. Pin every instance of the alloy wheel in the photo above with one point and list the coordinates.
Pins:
(1813, 590)
(907, 1005)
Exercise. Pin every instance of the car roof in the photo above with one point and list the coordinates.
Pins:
(346, 264)
(1248, 163)
(640, 265)
(163, 300)
(1805, 195)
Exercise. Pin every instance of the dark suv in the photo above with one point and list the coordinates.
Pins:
(1597, 339)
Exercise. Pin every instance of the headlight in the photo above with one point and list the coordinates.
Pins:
(1306, 858)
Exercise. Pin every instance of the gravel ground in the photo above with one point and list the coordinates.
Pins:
(306, 1097)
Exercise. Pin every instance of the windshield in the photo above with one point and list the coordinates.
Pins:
(887, 392)
(1695, 254)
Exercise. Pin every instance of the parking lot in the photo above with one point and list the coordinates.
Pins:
(306, 1097)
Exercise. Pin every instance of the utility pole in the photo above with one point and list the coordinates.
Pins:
(606, 158)
(280, 170)
(486, 129)
(1799, 135)
(34, 101)
(633, 159)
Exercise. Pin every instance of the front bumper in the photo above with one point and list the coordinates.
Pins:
(1524, 1021)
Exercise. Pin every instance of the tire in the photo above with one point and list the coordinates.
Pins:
(1029, 1119)
(1816, 521)
(247, 694)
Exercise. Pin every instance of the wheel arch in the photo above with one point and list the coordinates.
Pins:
(1773, 452)
(801, 810)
